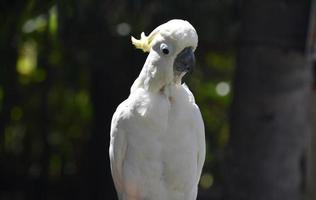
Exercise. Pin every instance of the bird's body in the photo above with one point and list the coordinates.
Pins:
(157, 138)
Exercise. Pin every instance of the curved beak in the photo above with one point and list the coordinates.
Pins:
(185, 61)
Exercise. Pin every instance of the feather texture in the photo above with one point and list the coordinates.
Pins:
(157, 147)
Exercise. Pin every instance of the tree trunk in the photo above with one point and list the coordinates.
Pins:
(311, 165)
(311, 175)
(268, 121)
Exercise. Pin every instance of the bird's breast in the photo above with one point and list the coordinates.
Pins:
(163, 145)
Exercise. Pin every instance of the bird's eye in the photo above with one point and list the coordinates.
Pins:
(164, 49)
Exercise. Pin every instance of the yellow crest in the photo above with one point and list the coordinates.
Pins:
(144, 43)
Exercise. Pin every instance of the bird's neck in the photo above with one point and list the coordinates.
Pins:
(156, 75)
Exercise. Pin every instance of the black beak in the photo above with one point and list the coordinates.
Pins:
(185, 61)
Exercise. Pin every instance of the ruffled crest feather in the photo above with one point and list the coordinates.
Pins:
(145, 42)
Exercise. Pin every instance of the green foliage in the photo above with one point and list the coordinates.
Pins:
(51, 118)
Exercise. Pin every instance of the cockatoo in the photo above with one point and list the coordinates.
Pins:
(157, 147)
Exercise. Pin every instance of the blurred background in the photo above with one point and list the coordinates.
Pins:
(66, 65)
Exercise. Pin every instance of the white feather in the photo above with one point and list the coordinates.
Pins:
(157, 147)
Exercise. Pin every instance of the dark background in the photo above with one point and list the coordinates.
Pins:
(66, 65)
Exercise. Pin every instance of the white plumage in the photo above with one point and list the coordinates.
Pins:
(157, 147)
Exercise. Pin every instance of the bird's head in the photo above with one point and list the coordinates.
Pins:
(171, 49)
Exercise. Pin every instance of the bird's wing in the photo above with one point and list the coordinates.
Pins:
(200, 133)
(118, 146)
(200, 142)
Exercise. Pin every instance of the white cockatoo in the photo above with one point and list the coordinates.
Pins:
(157, 147)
